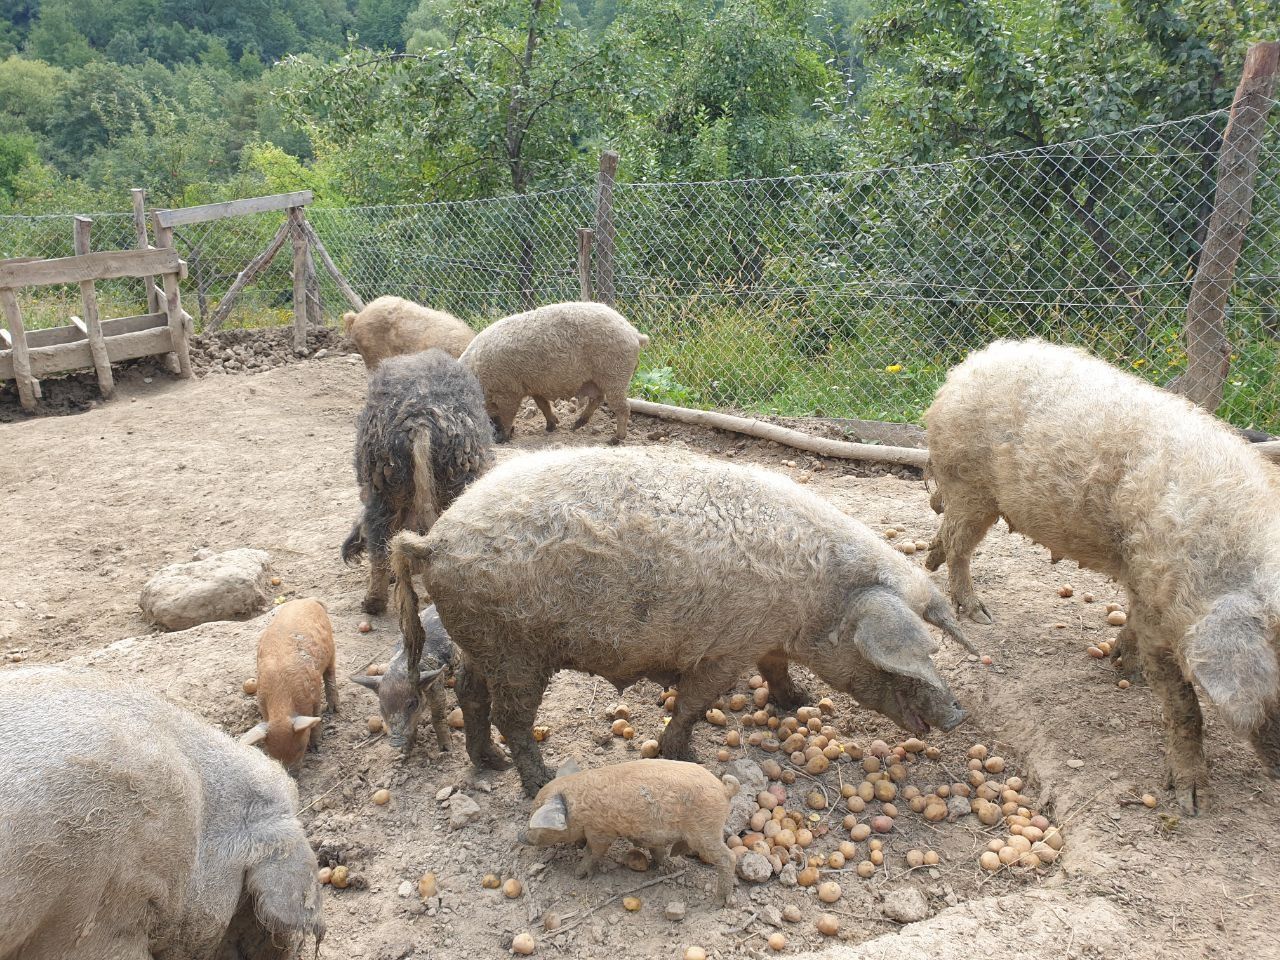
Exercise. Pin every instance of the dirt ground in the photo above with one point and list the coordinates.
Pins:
(95, 503)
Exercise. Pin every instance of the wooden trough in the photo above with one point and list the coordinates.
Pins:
(91, 343)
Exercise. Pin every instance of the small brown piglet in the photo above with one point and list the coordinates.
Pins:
(655, 804)
(295, 671)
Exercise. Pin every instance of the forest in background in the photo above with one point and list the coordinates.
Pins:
(397, 101)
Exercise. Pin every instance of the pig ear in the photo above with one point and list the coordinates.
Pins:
(304, 723)
(893, 638)
(1229, 655)
(568, 768)
(940, 614)
(552, 815)
(428, 677)
(363, 678)
(255, 735)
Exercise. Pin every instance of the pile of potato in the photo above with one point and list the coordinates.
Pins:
(833, 805)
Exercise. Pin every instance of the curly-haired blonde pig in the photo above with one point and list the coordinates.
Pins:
(1141, 485)
(632, 563)
(391, 326)
(656, 804)
(134, 829)
(556, 352)
(295, 679)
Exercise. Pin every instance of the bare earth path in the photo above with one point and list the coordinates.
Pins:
(93, 504)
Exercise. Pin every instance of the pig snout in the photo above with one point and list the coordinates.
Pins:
(522, 837)
(953, 717)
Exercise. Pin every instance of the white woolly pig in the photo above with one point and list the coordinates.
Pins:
(660, 564)
(583, 350)
(656, 804)
(390, 326)
(1130, 480)
(132, 829)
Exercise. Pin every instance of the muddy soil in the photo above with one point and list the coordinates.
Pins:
(95, 503)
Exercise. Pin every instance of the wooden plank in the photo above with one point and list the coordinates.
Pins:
(605, 229)
(327, 262)
(64, 357)
(179, 329)
(231, 208)
(51, 335)
(19, 358)
(255, 267)
(585, 235)
(144, 243)
(1208, 351)
(299, 280)
(107, 265)
(145, 321)
(5, 338)
(79, 325)
(92, 326)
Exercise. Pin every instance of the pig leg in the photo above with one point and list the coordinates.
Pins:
(514, 713)
(713, 850)
(1266, 741)
(330, 690)
(1125, 657)
(965, 522)
(591, 393)
(786, 693)
(548, 414)
(621, 409)
(697, 689)
(439, 723)
(659, 852)
(596, 850)
(1184, 746)
(380, 523)
(473, 698)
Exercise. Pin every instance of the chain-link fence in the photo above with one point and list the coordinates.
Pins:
(841, 295)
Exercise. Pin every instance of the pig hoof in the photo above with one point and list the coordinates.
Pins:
(374, 605)
(1188, 802)
(491, 758)
(615, 441)
(937, 557)
(976, 611)
(551, 427)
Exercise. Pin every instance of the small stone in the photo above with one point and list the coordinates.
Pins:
(462, 810)
(788, 876)
(754, 867)
(1075, 764)
(906, 905)
(957, 807)
(443, 793)
(405, 889)
(674, 911)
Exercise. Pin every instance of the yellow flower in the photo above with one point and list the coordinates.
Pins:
(1140, 362)
(893, 368)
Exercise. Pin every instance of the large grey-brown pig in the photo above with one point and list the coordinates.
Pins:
(132, 830)
(679, 568)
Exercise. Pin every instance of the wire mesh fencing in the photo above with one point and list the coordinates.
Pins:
(842, 295)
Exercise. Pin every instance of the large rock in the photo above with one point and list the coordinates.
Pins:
(225, 586)
(751, 781)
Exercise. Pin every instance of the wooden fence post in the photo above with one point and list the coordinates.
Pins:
(179, 324)
(332, 268)
(315, 309)
(28, 386)
(605, 234)
(140, 226)
(1208, 351)
(585, 235)
(92, 324)
(299, 279)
